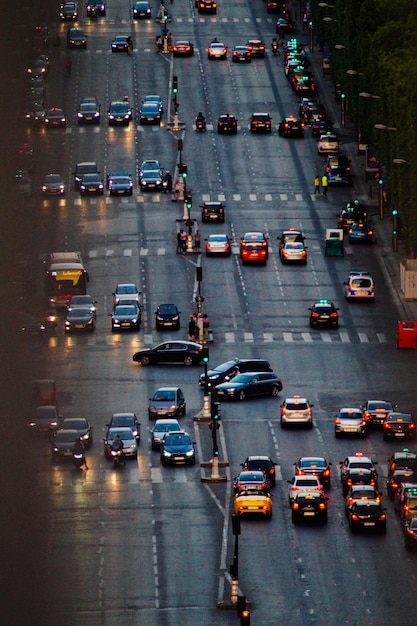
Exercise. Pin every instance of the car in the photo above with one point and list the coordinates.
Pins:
(316, 465)
(91, 183)
(403, 490)
(88, 111)
(324, 313)
(250, 385)
(241, 54)
(321, 126)
(328, 144)
(23, 182)
(177, 448)
(291, 127)
(206, 6)
(167, 402)
(361, 492)
(39, 67)
(160, 102)
(186, 352)
(119, 185)
(126, 420)
(217, 50)
(80, 319)
(359, 286)
(54, 117)
(76, 38)
(227, 124)
(45, 419)
(338, 175)
(63, 444)
(218, 245)
(357, 461)
(408, 510)
(361, 232)
(159, 429)
(53, 185)
(293, 252)
(212, 212)
(150, 180)
(253, 479)
(150, 113)
(142, 10)
(83, 301)
(82, 426)
(410, 534)
(126, 317)
(95, 7)
(275, 6)
(397, 478)
(126, 291)
(257, 48)
(358, 476)
(376, 411)
(36, 113)
(68, 12)
(183, 49)
(130, 444)
(120, 43)
(399, 426)
(402, 460)
(290, 235)
(119, 113)
(338, 160)
(309, 507)
(228, 370)
(296, 410)
(367, 515)
(254, 247)
(303, 484)
(353, 212)
(260, 123)
(284, 26)
(151, 165)
(350, 421)
(262, 463)
(252, 502)
(82, 168)
(167, 315)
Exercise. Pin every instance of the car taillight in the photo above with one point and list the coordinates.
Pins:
(295, 506)
(349, 481)
(322, 506)
(283, 410)
(337, 421)
(355, 517)
(411, 426)
(317, 488)
(385, 425)
(334, 314)
(382, 517)
(314, 314)
(326, 473)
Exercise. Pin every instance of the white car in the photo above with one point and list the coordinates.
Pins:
(126, 291)
(359, 286)
(304, 484)
(328, 144)
(217, 51)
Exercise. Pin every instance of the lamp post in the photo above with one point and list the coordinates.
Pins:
(402, 163)
(381, 182)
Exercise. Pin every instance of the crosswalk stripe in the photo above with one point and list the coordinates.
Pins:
(248, 337)
(344, 337)
(268, 337)
(381, 337)
(156, 475)
(229, 337)
(307, 337)
(161, 251)
(288, 337)
(326, 337)
(363, 338)
(127, 252)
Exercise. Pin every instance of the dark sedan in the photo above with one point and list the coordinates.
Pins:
(120, 43)
(142, 10)
(377, 411)
(167, 316)
(318, 466)
(186, 352)
(263, 463)
(367, 515)
(88, 111)
(150, 180)
(54, 117)
(228, 370)
(120, 185)
(80, 319)
(399, 426)
(63, 444)
(361, 232)
(177, 448)
(250, 385)
(82, 426)
(150, 113)
(126, 420)
(119, 113)
(227, 125)
(183, 49)
(241, 54)
(125, 317)
(91, 183)
(324, 313)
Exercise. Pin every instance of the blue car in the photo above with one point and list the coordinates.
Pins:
(361, 232)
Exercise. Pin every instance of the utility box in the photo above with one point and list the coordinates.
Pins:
(408, 278)
(407, 335)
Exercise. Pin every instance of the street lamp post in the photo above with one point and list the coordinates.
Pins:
(381, 195)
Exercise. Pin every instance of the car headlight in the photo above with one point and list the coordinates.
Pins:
(166, 453)
(135, 320)
(96, 114)
(116, 321)
(55, 449)
(230, 392)
(85, 437)
(159, 318)
(189, 453)
(100, 186)
(111, 117)
(175, 319)
(44, 187)
(61, 188)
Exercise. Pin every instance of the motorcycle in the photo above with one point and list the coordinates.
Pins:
(118, 457)
(274, 47)
(200, 125)
(78, 460)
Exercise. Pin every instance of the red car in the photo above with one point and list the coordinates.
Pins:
(254, 248)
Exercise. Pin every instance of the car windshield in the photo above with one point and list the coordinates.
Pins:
(168, 309)
(263, 464)
(124, 420)
(76, 424)
(122, 289)
(306, 482)
(217, 238)
(296, 406)
(351, 415)
(166, 395)
(360, 465)
(120, 107)
(124, 434)
(243, 378)
(151, 174)
(126, 310)
(65, 436)
(164, 428)
(368, 509)
(372, 406)
(177, 440)
(313, 464)
(79, 313)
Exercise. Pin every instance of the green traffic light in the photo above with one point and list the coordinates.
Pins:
(205, 359)
(394, 212)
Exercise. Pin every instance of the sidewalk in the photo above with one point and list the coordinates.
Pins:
(364, 190)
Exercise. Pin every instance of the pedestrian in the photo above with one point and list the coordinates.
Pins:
(169, 41)
(324, 184)
(176, 188)
(167, 180)
(317, 184)
(197, 241)
(206, 326)
(179, 245)
(129, 42)
(183, 241)
(158, 43)
(192, 328)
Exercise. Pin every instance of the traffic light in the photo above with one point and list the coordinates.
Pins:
(175, 84)
(380, 181)
(189, 202)
(205, 354)
(184, 171)
(245, 618)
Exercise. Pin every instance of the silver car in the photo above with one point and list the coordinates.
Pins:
(160, 428)
(350, 421)
(130, 444)
(296, 410)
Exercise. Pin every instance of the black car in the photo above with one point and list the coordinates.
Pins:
(96, 7)
(227, 125)
(88, 111)
(84, 167)
(128, 420)
(228, 370)
(321, 126)
(91, 183)
(63, 444)
(250, 385)
(402, 460)
(399, 426)
(309, 507)
(120, 43)
(142, 10)
(80, 319)
(177, 448)
(54, 117)
(125, 317)
(367, 515)
(167, 316)
(377, 411)
(260, 123)
(186, 352)
(83, 301)
(76, 38)
(120, 185)
(352, 213)
(291, 127)
(263, 463)
(82, 426)
(358, 476)
(150, 113)
(324, 313)
(212, 212)
(119, 113)
(318, 466)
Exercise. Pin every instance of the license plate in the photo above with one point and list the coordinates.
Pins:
(67, 452)
(350, 430)
(369, 524)
(92, 189)
(309, 514)
(324, 317)
(78, 326)
(180, 458)
(399, 434)
(125, 324)
(252, 508)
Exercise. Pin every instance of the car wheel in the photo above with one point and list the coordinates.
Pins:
(241, 395)
(274, 391)
(188, 360)
(144, 359)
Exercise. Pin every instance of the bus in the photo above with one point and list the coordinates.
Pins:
(66, 276)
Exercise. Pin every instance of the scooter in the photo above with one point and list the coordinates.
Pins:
(200, 125)
(78, 460)
(274, 47)
(118, 457)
